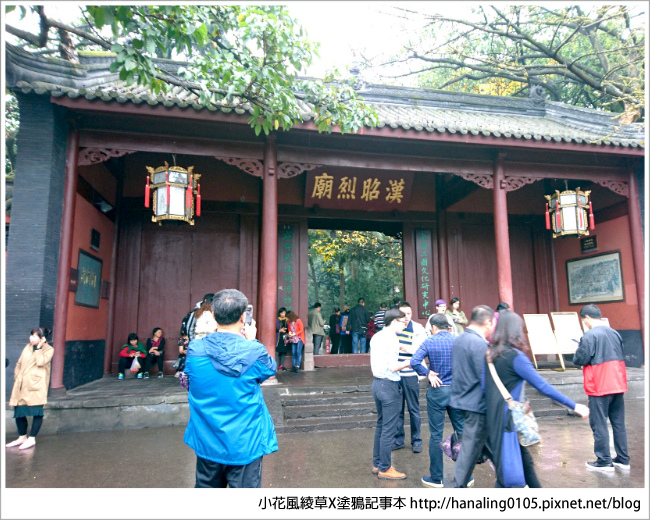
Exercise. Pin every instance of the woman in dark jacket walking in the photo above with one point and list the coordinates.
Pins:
(281, 327)
(509, 352)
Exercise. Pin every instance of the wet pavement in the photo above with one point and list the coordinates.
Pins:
(158, 458)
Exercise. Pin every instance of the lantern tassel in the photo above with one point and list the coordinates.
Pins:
(188, 196)
(146, 194)
(591, 217)
(198, 200)
(167, 182)
(548, 218)
(558, 222)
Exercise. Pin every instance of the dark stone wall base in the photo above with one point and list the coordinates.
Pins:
(632, 348)
(84, 362)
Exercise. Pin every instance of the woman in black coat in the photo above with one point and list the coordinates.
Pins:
(281, 327)
(335, 337)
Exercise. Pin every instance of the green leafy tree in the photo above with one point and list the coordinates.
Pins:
(11, 148)
(586, 57)
(347, 265)
(233, 54)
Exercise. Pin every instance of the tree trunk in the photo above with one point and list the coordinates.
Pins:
(341, 287)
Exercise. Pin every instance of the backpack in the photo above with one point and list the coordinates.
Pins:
(184, 323)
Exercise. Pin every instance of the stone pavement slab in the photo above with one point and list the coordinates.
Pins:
(158, 458)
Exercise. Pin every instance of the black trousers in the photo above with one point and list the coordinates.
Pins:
(215, 475)
(475, 435)
(125, 364)
(334, 343)
(21, 425)
(150, 359)
(600, 409)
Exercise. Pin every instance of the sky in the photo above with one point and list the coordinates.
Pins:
(340, 27)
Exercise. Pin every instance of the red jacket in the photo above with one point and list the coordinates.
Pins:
(601, 355)
(128, 349)
(300, 330)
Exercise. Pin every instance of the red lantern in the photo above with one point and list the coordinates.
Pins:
(176, 202)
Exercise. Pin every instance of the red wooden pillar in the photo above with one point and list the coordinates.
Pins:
(65, 257)
(636, 236)
(268, 286)
(501, 234)
(443, 257)
(110, 321)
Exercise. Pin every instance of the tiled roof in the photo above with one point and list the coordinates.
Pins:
(419, 110)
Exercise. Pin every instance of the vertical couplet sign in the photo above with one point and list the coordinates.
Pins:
(424, 270)
(287, 265)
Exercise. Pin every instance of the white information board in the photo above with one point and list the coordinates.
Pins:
(567, 331)
(540, 334)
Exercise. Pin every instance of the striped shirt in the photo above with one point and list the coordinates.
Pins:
(411, 337)
(379, 319)
(437, 349)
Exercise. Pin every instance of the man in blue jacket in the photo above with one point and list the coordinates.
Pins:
(230, 428)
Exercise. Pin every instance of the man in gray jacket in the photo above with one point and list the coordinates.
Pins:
(468, 361)
(315, 323)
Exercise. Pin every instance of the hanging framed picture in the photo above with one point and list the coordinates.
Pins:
(89, 280)
(595, 279)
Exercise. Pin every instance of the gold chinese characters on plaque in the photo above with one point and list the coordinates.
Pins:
(348, 188)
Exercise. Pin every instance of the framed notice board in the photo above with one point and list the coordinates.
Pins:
(90, 280)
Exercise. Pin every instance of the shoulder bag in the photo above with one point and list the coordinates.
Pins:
(522, 416)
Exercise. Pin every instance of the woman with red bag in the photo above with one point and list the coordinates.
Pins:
(296, 337)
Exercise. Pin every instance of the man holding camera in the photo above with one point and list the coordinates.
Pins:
(230, 428)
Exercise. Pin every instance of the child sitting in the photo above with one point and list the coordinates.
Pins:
(132, 349)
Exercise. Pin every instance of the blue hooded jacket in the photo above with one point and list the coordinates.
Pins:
(229, 422)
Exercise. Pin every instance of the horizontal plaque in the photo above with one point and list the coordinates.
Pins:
(588, 244)
(356, 189)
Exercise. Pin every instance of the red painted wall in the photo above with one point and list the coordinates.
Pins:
(612, 235)
(85, 323)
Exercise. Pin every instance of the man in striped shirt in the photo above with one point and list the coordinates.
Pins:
(437, 349)
(379, 316)
(410, 339)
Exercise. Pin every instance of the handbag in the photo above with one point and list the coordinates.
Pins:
(135, 366)
(451, 446)
(522, 416)
(179, 364)
(512, 467)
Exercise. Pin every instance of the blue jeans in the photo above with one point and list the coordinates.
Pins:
(356, 338)
(437, 405)
(388, 398)
(296, 354)
(411, 397)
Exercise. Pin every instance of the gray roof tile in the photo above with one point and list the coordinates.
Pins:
(418, 110)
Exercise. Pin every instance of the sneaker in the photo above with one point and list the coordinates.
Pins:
(146, 375)
(620, 465)
(139, 376)
(160, 375)
(17, 442)
(391, 474)
(120, 376)
(29, 443)
(599, 466)
(417, 448)
(429, 482)
(396, 447)
(374, 469)
(471, 482)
